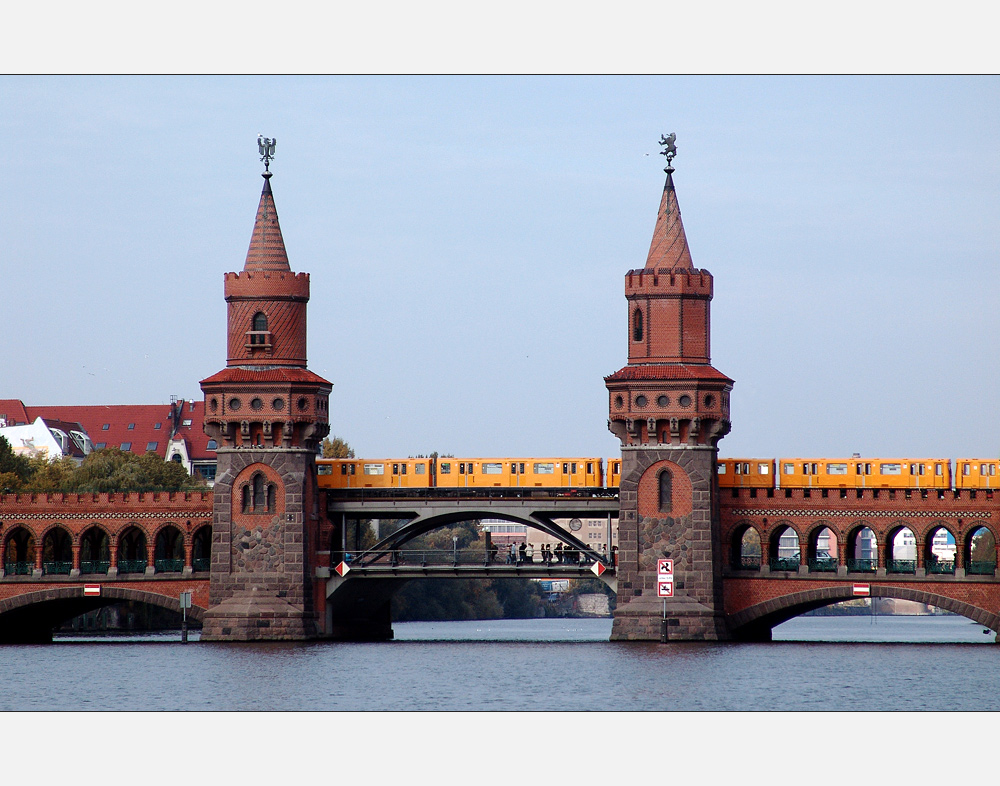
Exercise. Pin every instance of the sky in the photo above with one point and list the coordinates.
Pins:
(468, 239)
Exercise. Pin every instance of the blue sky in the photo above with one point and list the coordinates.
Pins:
(468, 240)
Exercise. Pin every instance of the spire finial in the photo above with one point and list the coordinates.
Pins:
(669, 150)
(266, 148)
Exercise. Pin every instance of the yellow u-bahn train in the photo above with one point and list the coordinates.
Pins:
(858, 473)
(593, 472)
(477, 473)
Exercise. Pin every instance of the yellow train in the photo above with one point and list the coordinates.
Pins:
(449, 472)
(592, 472)
(855, 472)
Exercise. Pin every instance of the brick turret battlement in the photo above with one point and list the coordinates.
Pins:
(669, 281)
(97, 504)
(276, 285)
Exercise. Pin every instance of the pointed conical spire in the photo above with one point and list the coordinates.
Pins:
(267, 247)
(669, 248)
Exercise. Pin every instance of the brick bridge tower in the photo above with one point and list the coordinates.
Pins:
(268, 414)
(669, 407)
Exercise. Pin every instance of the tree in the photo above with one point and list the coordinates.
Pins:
(110, 470)
(336, 447)
(14, 470)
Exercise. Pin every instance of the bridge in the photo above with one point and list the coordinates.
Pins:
(358, 598)
(139, 547)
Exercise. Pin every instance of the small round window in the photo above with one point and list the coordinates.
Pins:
(214, 405)
(684, 401)
(303, 403)
(709, 401)
(256, 404)
(278, 404)
(662, 401)
(235, 404)
(641, 401)
(619, 401)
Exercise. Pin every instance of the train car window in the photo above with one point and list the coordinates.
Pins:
(565, 465)
(763, 469)
(403, 472)
(395, 469)
(461, 468)
(492, 468)
(938, 469)
(993, 469)
(374, 469)
(343, 469)
(746, 467)
(836, 469)
(590, 467)
(618, 467)
(921, 468)
(720, 468)
(520, 470)
(890, 469)
(982, 469)
(789, 469)
(547, 468)
(445, 467)
(324, 469)
(572, 467)
(965, 469)
(420, 469)
(513, 468)
(351, 468)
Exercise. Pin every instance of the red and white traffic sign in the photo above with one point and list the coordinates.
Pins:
(91, 589)
(665, 589)
(664, 567)
(597, 568)
(863, 589)
(342, 569)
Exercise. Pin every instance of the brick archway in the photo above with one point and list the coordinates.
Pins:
(753, 621)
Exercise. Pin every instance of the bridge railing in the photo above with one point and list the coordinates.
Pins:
(466, 557)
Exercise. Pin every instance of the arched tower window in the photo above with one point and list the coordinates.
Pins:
(666, 491)
(258, 329)
(637, 325)
(259, 500)
(258, 495)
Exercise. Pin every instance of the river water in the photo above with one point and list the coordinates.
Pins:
(815, 663)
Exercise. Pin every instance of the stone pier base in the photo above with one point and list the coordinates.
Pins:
(687, 620)
(251, 617)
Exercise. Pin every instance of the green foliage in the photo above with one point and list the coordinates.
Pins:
(14, 470)
(335, 447)
(109, 470)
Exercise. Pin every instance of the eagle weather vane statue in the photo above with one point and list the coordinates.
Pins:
(266, 148)
(669, 150)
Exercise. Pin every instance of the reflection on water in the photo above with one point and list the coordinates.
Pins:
(520, 665)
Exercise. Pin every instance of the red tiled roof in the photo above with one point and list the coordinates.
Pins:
(13, 411)
(669, 247)
(143, 418)
(672, 371)
(117, 419)
(291, 374)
